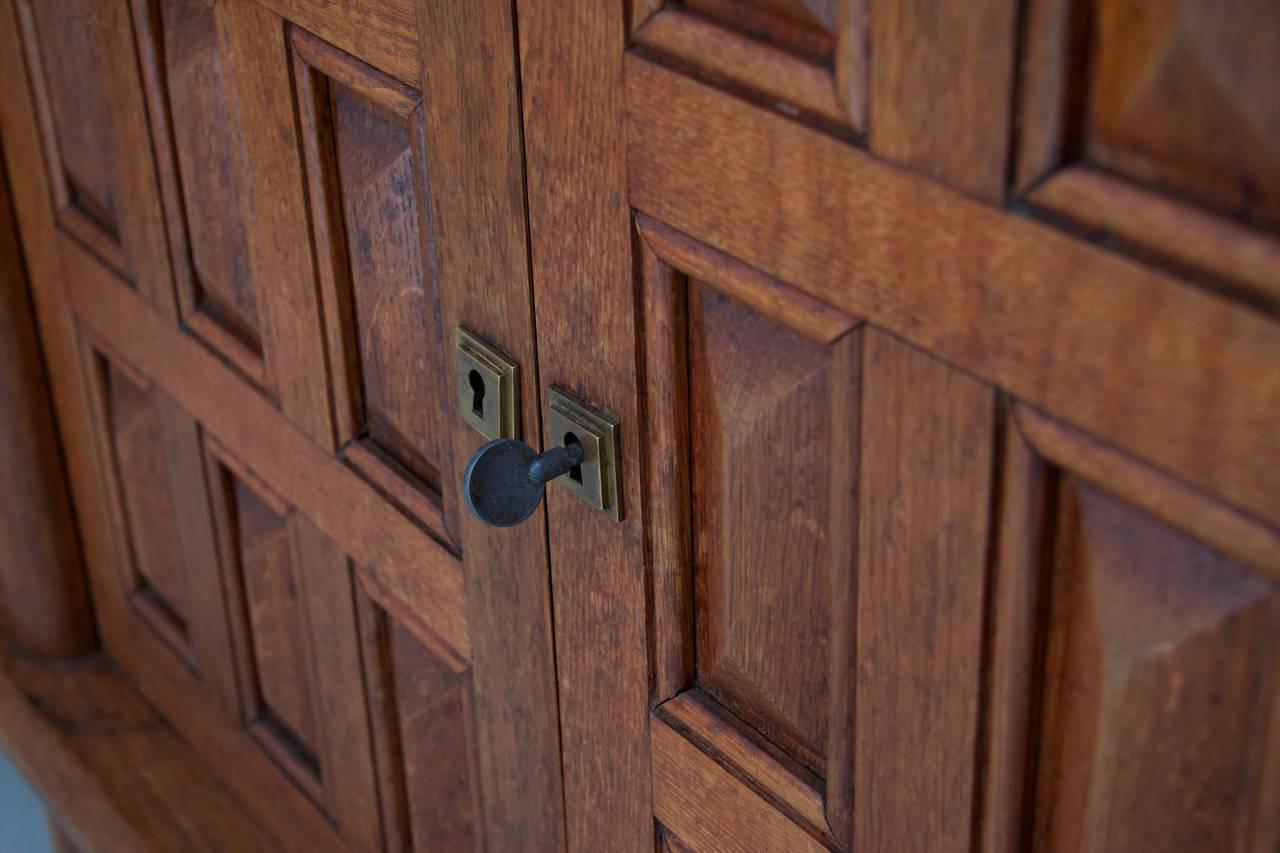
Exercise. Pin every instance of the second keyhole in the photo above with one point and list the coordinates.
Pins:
(477, 393)
(575, 473)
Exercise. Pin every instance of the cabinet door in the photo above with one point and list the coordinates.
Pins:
(257, 225)
(948, 386)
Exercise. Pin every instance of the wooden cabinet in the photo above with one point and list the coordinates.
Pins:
(943, 342)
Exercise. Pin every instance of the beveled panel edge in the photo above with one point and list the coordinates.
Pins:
(790, 83)
(1201, 241)
(381, 33)
(1151, 490)
(790, 787)
(707, 806)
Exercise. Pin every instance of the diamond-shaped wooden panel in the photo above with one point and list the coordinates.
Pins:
(1160, 684)
(1185, 94)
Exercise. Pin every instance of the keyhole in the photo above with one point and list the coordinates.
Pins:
(477, 393)
(575, 473)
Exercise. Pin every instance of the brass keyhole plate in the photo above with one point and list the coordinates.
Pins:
(487, 383)
(595, 480)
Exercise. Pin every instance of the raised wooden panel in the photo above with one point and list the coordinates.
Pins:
(433, 702)
(1156, 123)
(196, 125)
(1161, 687)
(67, 60)
(136, 429)
(839, 501)
(367, 174)
(1182, 94)
(281, 658)
(92, 115)
(265, 599)
(760, 401)
(421, 695)
(753, 419)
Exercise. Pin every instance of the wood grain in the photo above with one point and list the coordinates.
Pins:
(1015, 618)
(941, 81)
(668, 540)
(1149, 363)
(276, 215)
(481, 262)
(43, 598)
(925, 493)
(571, 78)
(382, 33)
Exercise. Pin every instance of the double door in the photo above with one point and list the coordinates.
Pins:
(942, 344)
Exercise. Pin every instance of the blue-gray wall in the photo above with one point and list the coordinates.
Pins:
(22, 822)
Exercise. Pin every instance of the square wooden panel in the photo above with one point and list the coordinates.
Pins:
(1157, 123)
(801, 56)
(366, 172)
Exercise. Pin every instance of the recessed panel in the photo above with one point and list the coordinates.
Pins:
(760, 407)
(206, 149)
(1160, 685)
